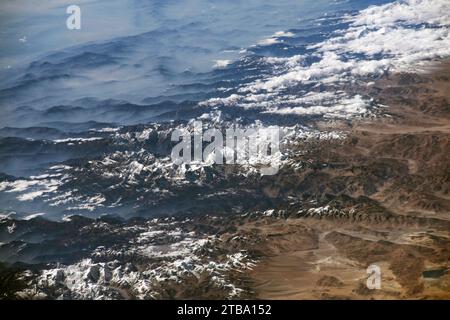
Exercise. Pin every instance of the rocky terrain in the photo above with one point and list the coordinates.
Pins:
(360, 191)
(384, 199)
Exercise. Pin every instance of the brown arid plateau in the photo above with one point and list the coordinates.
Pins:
(385, 199)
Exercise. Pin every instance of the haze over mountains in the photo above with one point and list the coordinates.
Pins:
(85, 127)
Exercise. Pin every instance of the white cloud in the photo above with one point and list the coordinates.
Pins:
(221, 63)
(395, 36)
(268, 42)
(283, 34)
